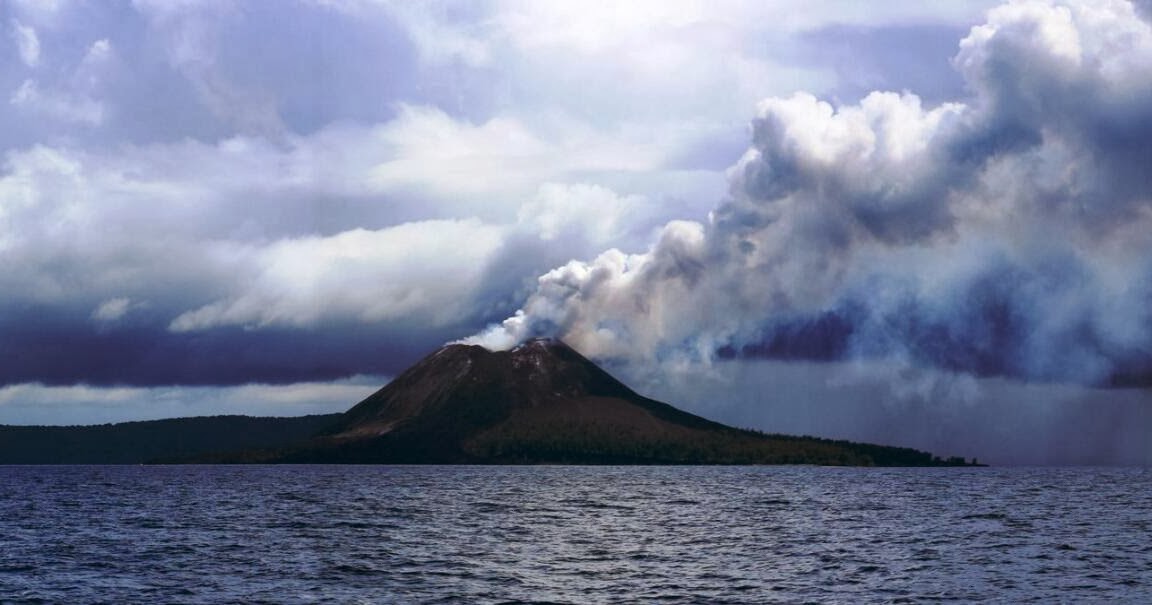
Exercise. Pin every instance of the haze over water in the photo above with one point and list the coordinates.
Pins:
(384, 534)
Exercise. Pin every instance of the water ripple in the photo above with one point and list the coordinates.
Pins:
(379, 534)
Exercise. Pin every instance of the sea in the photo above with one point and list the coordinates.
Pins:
(573, 534)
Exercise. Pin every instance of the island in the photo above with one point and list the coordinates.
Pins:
(541, 402)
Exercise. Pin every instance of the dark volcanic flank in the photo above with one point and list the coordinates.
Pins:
(542, 402)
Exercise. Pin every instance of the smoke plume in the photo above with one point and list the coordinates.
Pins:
(1007, 233)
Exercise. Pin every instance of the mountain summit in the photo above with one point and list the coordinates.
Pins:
(542, 402)
(471, 383)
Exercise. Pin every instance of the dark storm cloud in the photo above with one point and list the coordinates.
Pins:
(1008, 233)
(52, 348)
(55, 345)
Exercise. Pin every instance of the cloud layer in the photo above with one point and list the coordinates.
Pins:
(1005, 233)
(189, 191)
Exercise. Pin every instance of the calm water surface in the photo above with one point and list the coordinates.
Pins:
(380, 534)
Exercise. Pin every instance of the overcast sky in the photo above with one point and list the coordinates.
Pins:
(903, 221)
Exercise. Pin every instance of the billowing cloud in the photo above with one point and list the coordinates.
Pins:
(433, 153)
(367, 276)
(591, 212)
(143, 261)
(1006, 233)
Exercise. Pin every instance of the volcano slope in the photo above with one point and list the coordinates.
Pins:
(540, 403)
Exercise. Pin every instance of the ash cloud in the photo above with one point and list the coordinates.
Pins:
(1007, 233)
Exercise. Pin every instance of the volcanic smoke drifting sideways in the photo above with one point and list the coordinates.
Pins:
(972, 278)
(1005, 235)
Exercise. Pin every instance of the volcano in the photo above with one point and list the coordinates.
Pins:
(542, 402)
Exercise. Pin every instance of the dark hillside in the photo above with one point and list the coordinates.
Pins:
(138, 442)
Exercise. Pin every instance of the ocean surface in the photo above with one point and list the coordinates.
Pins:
(389, 534)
